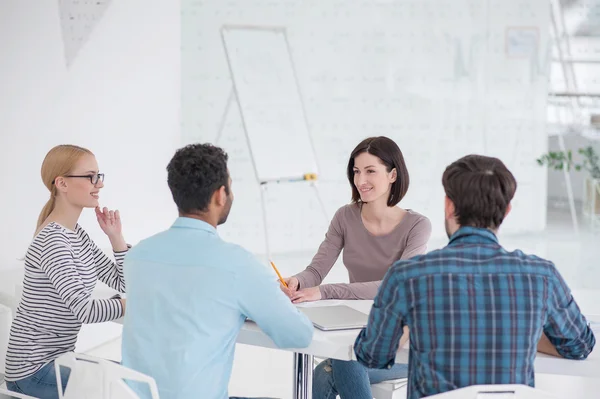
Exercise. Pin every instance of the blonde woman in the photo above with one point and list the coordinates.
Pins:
(62, 266)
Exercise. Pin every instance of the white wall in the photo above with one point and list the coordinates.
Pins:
(431, 74)
(120, 97)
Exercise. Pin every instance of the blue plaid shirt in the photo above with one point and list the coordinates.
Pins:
(476, 313)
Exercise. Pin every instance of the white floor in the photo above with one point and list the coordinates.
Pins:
(262, 372)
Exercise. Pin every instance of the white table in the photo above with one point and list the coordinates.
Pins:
(339, 345)
(570, 387)
(590, 367)
(325, 344)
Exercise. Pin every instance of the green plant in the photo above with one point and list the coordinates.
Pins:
(591, 161)
(560, 160)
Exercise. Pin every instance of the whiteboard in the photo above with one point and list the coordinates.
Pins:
(269, 99)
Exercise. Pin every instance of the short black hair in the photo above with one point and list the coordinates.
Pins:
(195, 172)
(388, 151)
(481, 189)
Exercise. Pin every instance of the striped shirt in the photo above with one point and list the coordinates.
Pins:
(61, 270)
(476, 313)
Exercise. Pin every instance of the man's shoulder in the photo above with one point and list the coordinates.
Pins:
(237, 253)
(534, 263)
(443, 259)
(149, 245)
(209, 250)
(517, 253)
(414, 266)
(170, 239)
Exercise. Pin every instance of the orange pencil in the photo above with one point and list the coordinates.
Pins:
(279, 275)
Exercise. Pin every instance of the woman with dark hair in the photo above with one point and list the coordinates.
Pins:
(374, 233)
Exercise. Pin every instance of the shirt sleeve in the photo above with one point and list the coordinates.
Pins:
(566, 328)
(377, 343)
(328, 252)
(261, 300)
(365, 290)
(418, 237)
(109, 272)
(58, 262)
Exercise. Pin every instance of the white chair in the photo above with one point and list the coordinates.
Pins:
(5, 322)
(95, 378)
(392, 389)
(495, 392)
(6, 394)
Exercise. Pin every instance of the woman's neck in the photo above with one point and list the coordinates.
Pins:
(378, 212)
(64, 214)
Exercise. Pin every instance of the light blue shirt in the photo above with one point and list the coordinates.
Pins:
(188, 295)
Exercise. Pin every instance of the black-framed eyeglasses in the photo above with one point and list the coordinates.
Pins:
(94, 179)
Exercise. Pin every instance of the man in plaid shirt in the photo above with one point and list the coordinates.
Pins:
(477, 313)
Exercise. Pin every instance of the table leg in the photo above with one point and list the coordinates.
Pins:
(303, 373)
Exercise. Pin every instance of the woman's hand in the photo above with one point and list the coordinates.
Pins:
(123, 303)
(292, 286)
(110, 223)
(306, 295)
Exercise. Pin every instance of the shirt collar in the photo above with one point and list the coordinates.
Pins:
(191, 223)
(473, 235)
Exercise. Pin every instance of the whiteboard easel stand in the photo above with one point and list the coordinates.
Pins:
(263, 184)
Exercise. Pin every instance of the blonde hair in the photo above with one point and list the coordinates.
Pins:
(59, 161)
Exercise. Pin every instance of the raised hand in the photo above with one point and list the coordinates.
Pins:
(110, 223)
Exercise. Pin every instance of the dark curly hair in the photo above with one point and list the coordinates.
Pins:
(195, 172)
(481, 189)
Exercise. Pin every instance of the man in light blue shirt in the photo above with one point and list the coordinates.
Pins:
(189, 292)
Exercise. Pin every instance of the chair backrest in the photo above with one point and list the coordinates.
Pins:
(5, 322)
(96, 378)
(495, 392)
(6, 394)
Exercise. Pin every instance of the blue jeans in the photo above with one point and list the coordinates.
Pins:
(42, 384)
(350, 380)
